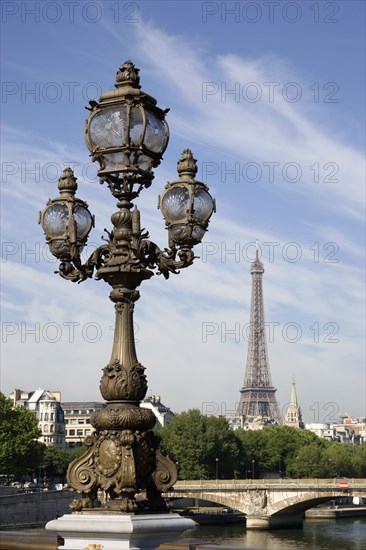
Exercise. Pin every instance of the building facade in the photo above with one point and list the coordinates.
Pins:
(66, 425)
(346, 430)
(45, 404)
(77, 421)
(163, 414)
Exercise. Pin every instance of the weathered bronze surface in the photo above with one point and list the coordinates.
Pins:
(122, 456)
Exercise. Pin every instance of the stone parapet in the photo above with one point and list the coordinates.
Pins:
(33, 508)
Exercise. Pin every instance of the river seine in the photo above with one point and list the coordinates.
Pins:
(340, 534)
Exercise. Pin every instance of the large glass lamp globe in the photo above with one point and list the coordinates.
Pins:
(186, 204)
(66, 220)
(126, 132)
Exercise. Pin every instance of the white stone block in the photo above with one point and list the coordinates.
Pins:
(95, 530)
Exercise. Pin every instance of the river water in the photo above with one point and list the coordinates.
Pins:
(340, 534)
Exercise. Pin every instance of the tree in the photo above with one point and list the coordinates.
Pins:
(308, 463)
(275, 448)
(195, 442)
(283, 444)
(20, 452)
(359, 460)
(55, 462)
(255, 457)
(76, 452)
(340, 460)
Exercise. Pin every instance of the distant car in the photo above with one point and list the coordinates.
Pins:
(28, 485)
(17, 484)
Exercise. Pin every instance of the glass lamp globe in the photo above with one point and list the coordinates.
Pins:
(126, 132)
(66, 220)
(186, 204)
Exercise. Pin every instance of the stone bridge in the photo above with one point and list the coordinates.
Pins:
(270, 503)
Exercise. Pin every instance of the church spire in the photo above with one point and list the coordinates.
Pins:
(293, 415)
(293, 400)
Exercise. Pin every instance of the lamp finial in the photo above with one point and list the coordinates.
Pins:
(187, 165)
(67, 182)
(128, 74)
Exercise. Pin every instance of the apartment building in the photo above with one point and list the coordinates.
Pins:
(163, 414)
(346, 430)
(67, 424)
(45, 404)
(77, 421)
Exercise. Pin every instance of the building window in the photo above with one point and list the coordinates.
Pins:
(71, 432)
(45, 428)
(87, 421)
(81, 421)
(72, 420)
(87, 432)
(79, 433)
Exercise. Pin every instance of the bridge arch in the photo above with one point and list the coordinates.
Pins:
(215, 499)
(269, 503)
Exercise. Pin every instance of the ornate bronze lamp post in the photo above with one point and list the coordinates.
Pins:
(127, 134)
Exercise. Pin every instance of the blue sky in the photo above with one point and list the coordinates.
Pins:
(270, 98)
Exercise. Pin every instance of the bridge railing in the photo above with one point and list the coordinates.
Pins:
(232, 484)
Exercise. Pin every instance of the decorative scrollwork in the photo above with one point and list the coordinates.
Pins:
(77, 272)
(165, 260)
(165, 474)
(81, 475)
(127, 248)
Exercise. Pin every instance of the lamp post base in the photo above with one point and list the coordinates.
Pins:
(96, 530)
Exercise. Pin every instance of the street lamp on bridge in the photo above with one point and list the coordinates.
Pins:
(127, 135)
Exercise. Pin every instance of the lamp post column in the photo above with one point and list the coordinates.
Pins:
(126, 134)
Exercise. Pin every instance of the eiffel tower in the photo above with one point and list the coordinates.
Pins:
(257, 400)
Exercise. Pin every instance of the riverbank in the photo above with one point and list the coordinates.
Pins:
(332, 512)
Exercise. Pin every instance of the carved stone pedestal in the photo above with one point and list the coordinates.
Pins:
(96, 530)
